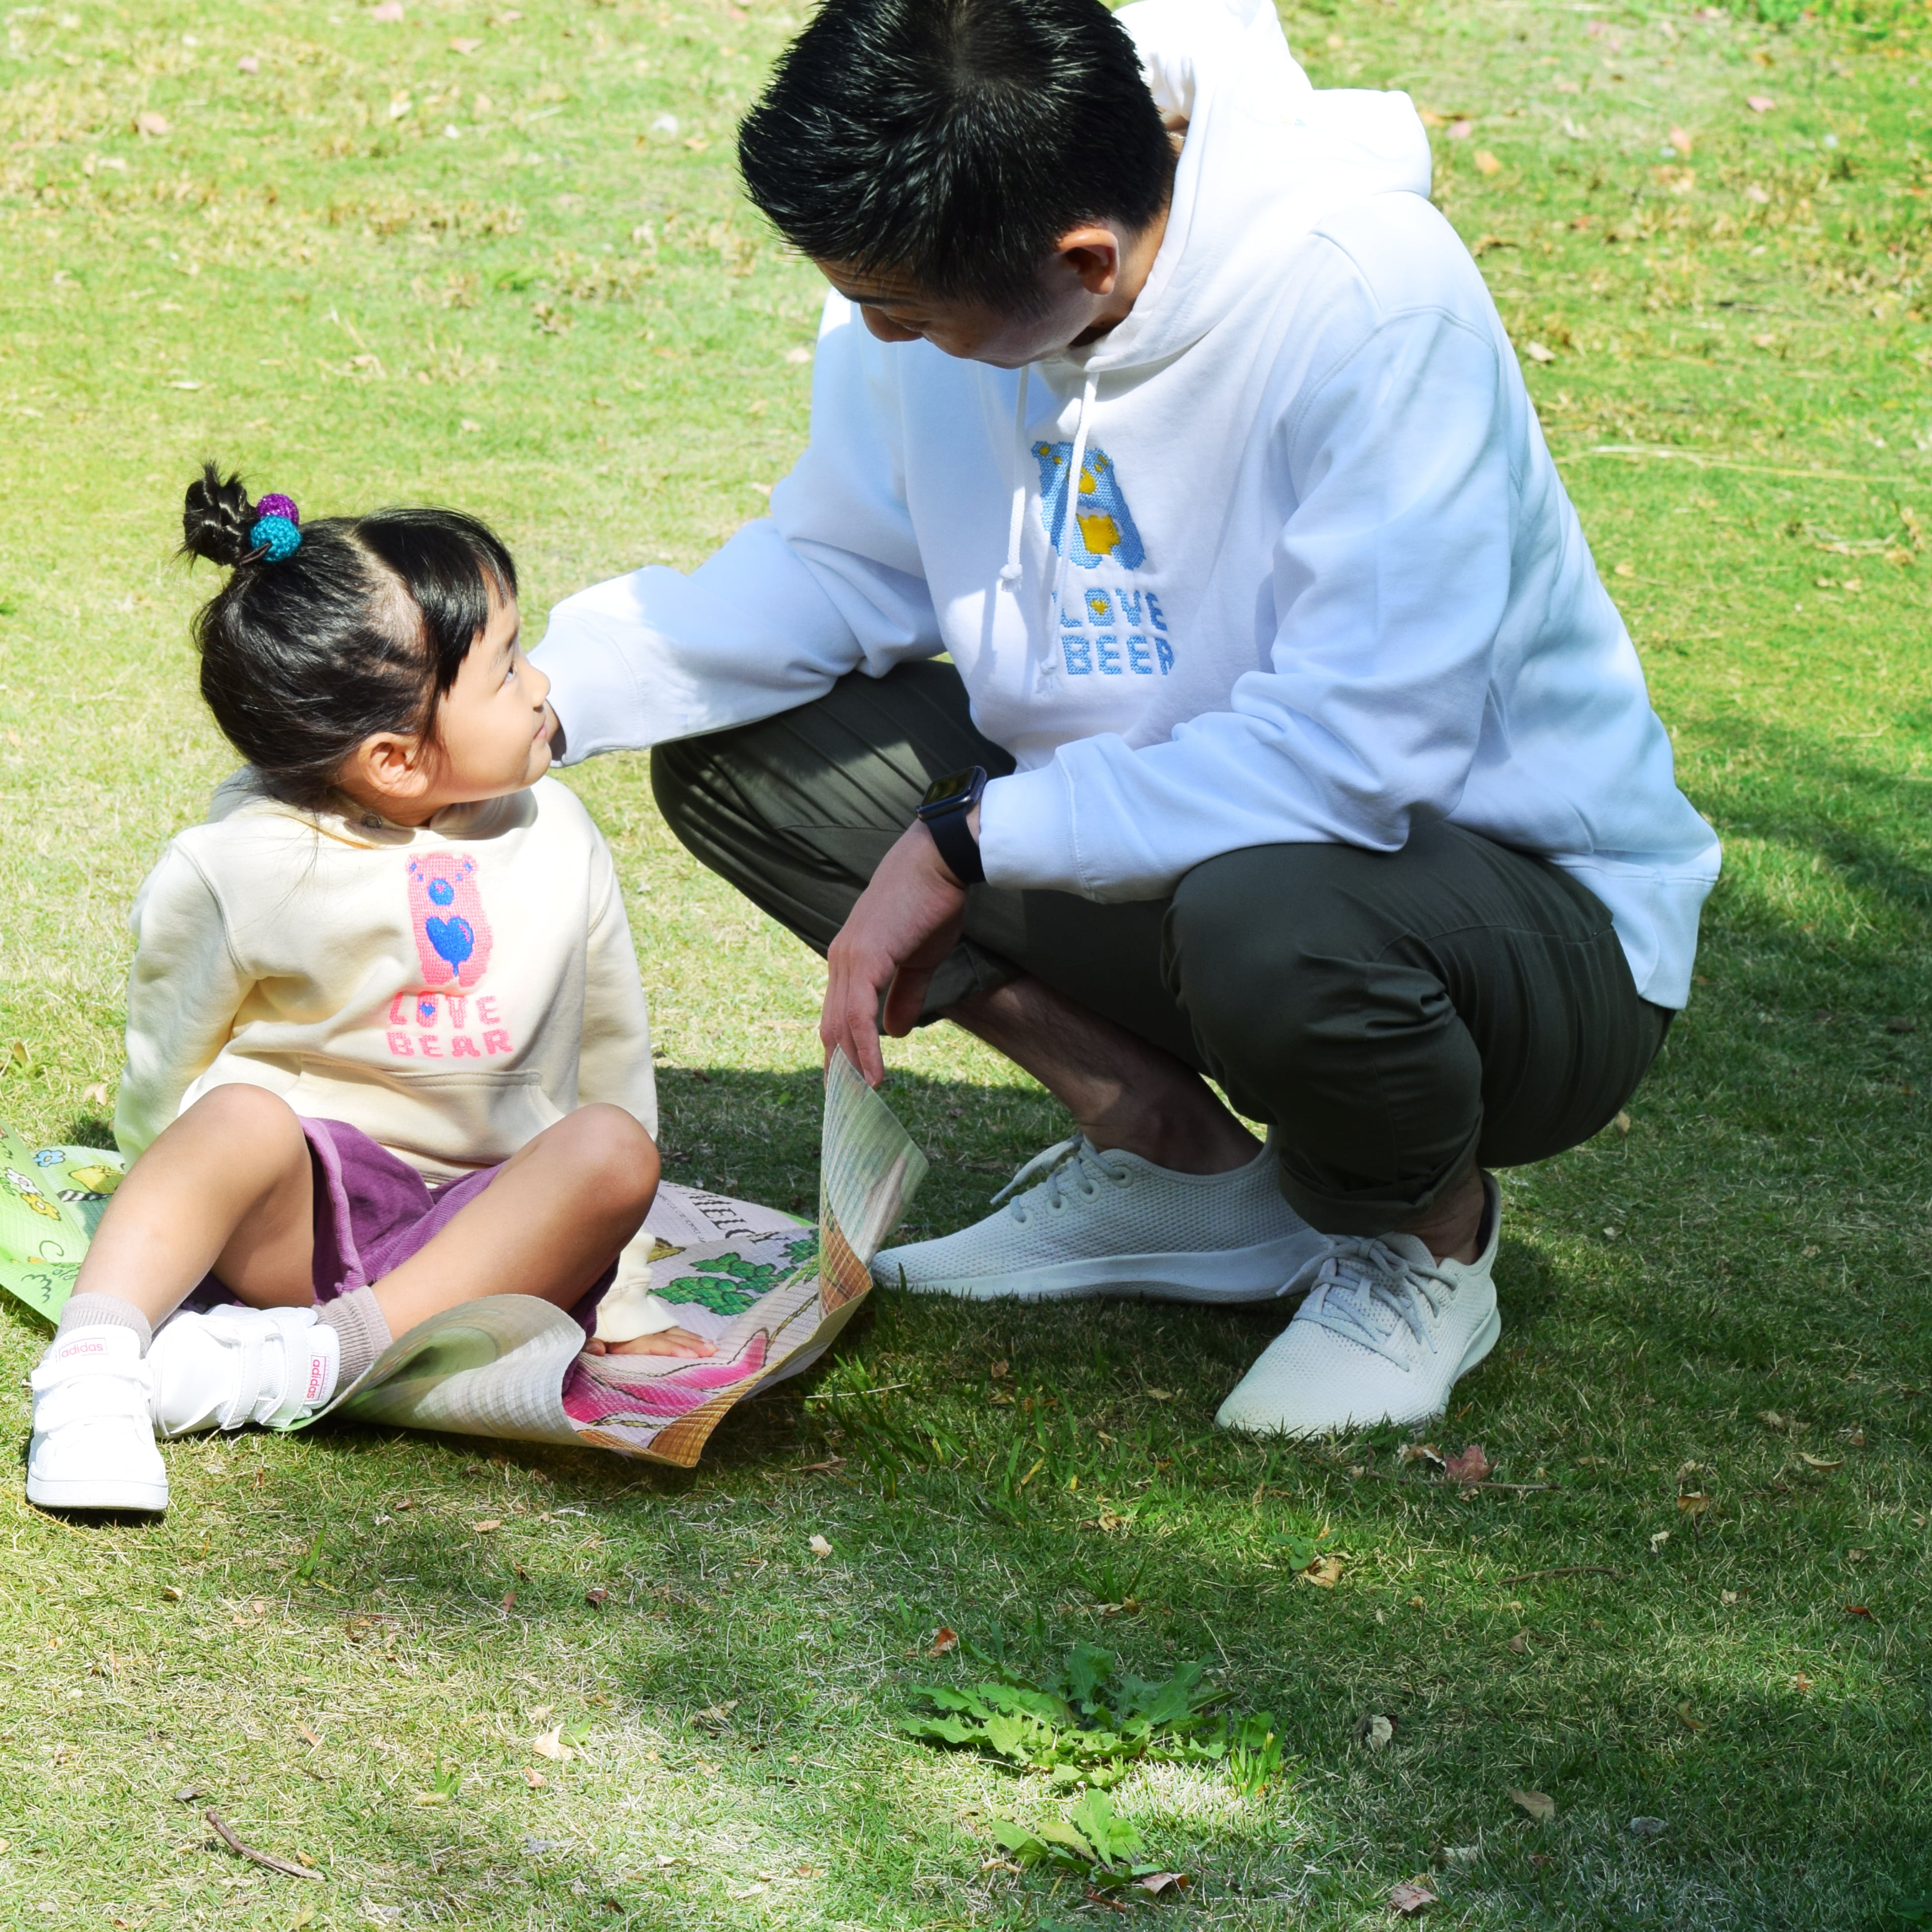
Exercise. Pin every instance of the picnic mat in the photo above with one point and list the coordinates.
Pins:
(770, 1293)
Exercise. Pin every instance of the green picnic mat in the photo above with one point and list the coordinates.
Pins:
(51, 1202)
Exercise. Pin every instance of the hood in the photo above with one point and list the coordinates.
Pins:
(1267, 156)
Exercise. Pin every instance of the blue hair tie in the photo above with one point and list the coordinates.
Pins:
(278, 536)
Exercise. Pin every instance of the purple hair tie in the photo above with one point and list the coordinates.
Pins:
(277, 530)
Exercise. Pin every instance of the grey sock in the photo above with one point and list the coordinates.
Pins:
(95, 1309)
(357, 1317)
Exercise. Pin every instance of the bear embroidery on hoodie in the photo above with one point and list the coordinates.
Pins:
(1103, 526)
(1110, 627)
(452, 935)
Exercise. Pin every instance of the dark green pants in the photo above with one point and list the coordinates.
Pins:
(1389, 1014)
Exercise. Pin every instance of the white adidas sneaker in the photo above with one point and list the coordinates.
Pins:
(1112, 1224)
(1384, 1333)
(232, 1367)
(93, 1445)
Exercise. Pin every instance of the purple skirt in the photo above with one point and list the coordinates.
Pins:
(373, 1211)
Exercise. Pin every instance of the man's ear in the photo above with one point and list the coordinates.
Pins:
(391, 765)
(1092, 254)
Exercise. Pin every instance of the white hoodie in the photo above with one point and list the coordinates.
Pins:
(1323, 580)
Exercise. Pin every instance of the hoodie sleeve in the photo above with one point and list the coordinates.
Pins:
(614, 1059)
(1391, 578)
(184, 992)
(830, 582)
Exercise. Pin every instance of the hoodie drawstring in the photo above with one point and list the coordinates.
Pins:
(1010, 574)
(1069, 526)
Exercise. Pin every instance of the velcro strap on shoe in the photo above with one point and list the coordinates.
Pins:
(311, 1357)
(89, 1399)
(56, 1372)
(239, 1407)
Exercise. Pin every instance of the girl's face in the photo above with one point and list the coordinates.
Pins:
(492, 731)
(492, 735)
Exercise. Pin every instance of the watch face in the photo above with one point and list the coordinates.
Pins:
(942, 791)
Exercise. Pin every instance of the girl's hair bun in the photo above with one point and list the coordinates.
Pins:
(217, 518)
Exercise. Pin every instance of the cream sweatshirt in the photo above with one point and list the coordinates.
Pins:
(451, 989)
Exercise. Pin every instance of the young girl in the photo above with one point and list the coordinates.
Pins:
(387, 1048)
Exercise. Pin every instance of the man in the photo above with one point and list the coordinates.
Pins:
(1289, 737)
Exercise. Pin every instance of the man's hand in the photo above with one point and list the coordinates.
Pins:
(905, 923)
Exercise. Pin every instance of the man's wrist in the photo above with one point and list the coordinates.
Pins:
(950, 813)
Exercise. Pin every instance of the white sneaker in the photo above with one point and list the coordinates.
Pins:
(1383, 1336)
(93, 1445)
(231, 1366)
(1112, 1224)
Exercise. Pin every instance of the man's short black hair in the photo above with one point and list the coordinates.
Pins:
(954, 142)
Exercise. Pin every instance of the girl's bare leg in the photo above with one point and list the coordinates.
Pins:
(553, 1220)
(227, 1188)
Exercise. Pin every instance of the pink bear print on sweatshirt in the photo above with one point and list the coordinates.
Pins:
(452, 935)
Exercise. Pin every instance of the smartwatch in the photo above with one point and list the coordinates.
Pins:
(943, 810)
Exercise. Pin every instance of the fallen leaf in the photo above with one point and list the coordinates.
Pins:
(1461, 130)
(1727, 1597)
(1539, 1805)
(1680, 140)
(464, 46)
(484, 1528)
(1777, 1424)
(1157, 1883)
(798, 358)
(1471, 1466)
(1161, 1395)
(151, 124)
(1411, 1896)
(1693, 1503)
(819, 1546)
(597, 1599)
(1520, 1643)
(1375, 1730)
(308, 1737)
(1621, 1124)
(1686, 1719)
(170, 1594)
(552, 1746)
(1537, 352)
(1821, 1462)
(1658, 1541)
(1648, 1828)
(1324, 1572)
(1486, 163)
(509, 1601)
(188, 1793)
(943, 1640)
(248, 64)
(388, 10)
(1419, 1452)
(533, 1778)
(1760, 103)
(1801, 1682)
(1900, 1022)
(1856, 1610)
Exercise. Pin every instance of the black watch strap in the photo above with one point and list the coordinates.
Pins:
(944, 810)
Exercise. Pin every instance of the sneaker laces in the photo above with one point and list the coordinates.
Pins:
(1365, 1291)
(1075, 1155)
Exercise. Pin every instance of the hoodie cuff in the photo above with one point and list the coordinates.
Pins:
(1026, 833)
(591, 691)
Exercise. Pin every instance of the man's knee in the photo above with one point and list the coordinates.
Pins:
(1270, 945)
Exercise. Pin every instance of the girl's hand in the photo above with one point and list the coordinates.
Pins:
(679, 1342)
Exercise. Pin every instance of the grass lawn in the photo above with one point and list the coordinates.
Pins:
(499, 259)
